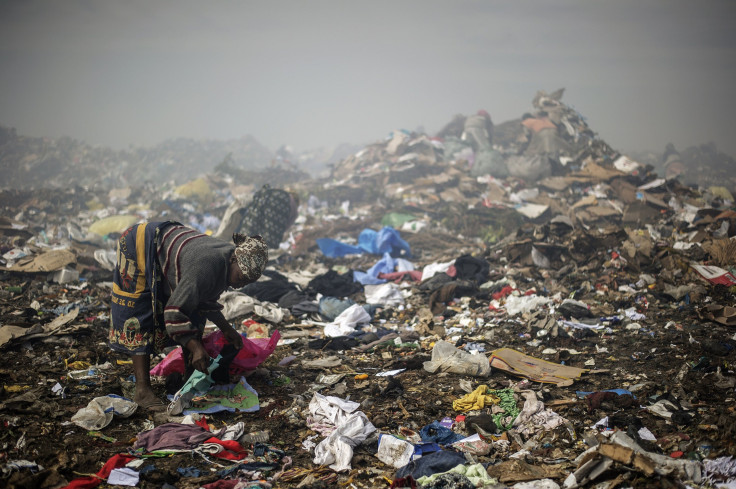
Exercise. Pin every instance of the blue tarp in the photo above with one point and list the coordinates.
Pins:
(332, 248)
(387, 240)
(387, 264)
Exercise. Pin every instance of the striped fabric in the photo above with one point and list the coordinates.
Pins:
(195, 267)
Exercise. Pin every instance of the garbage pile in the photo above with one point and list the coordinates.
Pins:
(66, 162)
(703, 166)
(562, 317)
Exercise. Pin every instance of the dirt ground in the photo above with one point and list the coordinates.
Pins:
(675, 354)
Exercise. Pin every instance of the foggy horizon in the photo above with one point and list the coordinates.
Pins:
(322, 73)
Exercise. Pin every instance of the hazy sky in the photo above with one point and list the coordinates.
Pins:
(315, 73)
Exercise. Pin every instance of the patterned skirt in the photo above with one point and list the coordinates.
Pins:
(136, 318)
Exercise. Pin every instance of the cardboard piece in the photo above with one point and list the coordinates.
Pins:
(11, 227)
(725, 315)
(50, 261)
(532, 211)
(639, 212)
(597, 172)
(555, 184)
(535, 369)
(58, 326)
(516, 470)
(714, 275)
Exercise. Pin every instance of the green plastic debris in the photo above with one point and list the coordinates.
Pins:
(396, 219)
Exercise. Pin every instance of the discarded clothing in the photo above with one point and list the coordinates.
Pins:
(476, 474)
(471, 268)
(347, 429)
(333, 284)
(534, 418)
(448, 480)
(435, 432)
(385, 295)
(505, 420)
(114, 462)
(175, 436)
(431, 464)
(348, 321)
(476, 400)
(240, 397)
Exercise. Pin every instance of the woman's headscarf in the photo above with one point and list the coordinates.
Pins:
(251, 253)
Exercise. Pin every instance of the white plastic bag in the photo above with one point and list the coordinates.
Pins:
(100, 410)
(447, 358)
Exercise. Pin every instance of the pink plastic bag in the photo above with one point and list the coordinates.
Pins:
(253, 353)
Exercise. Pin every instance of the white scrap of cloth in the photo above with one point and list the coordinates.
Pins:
(524, 304)
(388, 294)
(534, 417)
(434, 268)
(337, 449)
(347, 321)
(123, 477)
(331, 410)
(209, 448)
(236, 304)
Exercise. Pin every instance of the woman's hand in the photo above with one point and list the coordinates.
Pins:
(200, 358)
(232, 337)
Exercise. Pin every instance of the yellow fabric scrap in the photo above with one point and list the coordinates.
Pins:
(476, 400)
(78, 365)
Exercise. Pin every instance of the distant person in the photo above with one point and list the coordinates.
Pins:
(478, 131)
(543, 137)
(536, 124)
(673, 166)
(166, 285)
(269, 214)
(453, 129)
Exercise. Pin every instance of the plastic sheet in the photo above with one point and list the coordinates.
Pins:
(100, 410)
(253, 353)
(447, 358)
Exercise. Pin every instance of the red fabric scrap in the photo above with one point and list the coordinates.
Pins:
(505, 291)
(232, 449)
(114, 462)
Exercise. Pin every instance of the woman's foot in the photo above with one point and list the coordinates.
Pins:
(149, 401)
